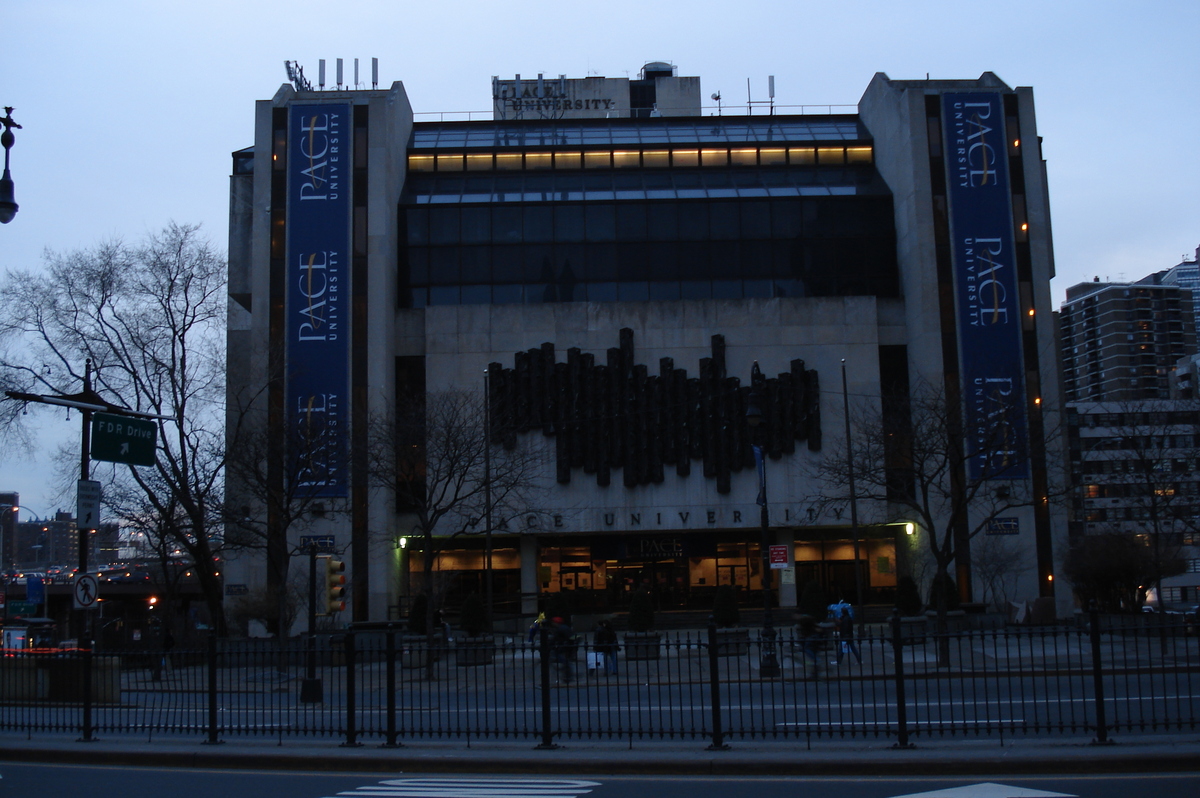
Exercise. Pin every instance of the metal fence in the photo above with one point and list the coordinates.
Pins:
(1099, 677)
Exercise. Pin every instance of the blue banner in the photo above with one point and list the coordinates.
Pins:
(985, 284)
(318, 284)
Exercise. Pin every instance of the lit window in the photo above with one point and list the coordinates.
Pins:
(479, 162)
(537, 160)
(449, 163)
(744, 157)
(858, 155)
(803, 156)
(420, 163)
(656, 158)
(714, 157)
(597, 160)
(627, 159)
(775, 156)
(567, 160)
(685, 157)
(831, 155)
(508, 160)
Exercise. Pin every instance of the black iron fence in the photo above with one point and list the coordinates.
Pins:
(1099, 677)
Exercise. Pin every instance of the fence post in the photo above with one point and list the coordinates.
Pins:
(714, 683)
(391, 690)
(351, 690)
(901, 703)
(211, 666)
(544, 649)
(1097, 678)
(86, 690)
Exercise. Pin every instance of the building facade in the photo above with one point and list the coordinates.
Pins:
(1121, 341)
(622, 278)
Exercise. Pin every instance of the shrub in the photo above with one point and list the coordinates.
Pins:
(908, 596)
(641, 612)
(943, 585)
(725, 607)
(473, 618)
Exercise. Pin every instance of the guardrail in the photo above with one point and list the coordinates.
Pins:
(1096, 678)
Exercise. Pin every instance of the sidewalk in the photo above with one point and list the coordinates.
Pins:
(1143, 753)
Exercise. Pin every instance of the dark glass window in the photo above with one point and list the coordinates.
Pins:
(476, 295)
(633, 292)
(477, 225)
(539, 223)
(601, 222)
(443, 266)
(602, 292)
(756, 219)
(727, 289)
(443, 295)
(568, 223)
(506, 224)
(664, 291)
(444, 226)
(476, 264)
(631, 222)
(418, 266)
(418, 226)
(602, 262)
(662, 221)
(695, 289)
(724, 220)
(507, 294)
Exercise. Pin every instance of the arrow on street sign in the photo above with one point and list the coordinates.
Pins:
(87, 503)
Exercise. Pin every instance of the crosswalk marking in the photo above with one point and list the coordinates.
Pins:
(474, 788)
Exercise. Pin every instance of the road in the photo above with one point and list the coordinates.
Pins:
(110, 782)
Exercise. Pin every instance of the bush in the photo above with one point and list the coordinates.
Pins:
(943, 585)
(473, 618)
(813, 601)
(416, 614)
(725, 607)
(908, 596)
(641, 612)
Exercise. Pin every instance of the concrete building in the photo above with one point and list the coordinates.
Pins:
(1136, 471)
(618, 277)
(1121, 341)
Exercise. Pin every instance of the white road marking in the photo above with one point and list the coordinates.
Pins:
(475, 788)
(987, 790)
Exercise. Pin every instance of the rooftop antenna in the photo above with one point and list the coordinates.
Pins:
(321, 74)
(717, 96)
(339, 73)
(374, 73)
(356, 83)
(295, 74)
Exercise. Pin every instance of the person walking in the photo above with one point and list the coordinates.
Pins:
(562, 644)
(845, 627)
(606, 646)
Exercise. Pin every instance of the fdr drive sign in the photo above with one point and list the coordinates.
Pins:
(121, 439)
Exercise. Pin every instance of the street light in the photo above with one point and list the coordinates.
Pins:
(769, 662)
(8, 204)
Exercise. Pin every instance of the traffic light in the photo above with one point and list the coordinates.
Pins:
(335, 592)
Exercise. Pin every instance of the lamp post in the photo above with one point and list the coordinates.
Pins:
(769, 661)
(8, 204)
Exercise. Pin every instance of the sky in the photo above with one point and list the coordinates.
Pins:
(130, 109)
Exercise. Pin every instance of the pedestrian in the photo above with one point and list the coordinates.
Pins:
(562, 646)
(606, 646)
(811, 642)
(845, 627)
(535, 627)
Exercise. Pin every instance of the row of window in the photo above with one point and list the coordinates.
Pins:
(682, 158)
(638, 291)
(649, 221)
(1123, 491)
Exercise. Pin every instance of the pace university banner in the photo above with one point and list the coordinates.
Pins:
(318, 273)
(985, 284)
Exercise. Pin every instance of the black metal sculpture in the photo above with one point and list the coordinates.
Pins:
(618, 415)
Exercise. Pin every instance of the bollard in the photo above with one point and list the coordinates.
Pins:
(714, 680)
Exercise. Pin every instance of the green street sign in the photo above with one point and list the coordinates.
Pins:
(25, 609)
(121, 439)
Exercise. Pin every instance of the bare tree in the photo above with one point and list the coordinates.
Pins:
(998, 560)
(915, 457)
(1137, 471)
(433, 461)
(150, 318)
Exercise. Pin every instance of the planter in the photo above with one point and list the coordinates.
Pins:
(415, 651)
(642, 645)
(475, 650)
(956, 621)
(733, 642)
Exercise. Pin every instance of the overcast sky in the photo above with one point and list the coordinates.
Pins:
(130, 109)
